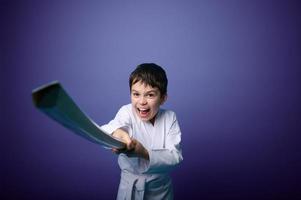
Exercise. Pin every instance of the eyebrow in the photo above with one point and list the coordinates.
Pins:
(146, 92)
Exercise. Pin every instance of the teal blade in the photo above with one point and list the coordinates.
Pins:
(55, 102)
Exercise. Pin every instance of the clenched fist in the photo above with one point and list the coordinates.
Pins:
(133, 147)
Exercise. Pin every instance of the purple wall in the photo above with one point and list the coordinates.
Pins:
(234, 69)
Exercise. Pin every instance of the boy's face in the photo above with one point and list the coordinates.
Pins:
(146, 101)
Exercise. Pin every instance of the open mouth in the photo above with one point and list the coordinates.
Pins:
(143, 112)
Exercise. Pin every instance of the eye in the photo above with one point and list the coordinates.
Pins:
(151, 95)
(135, 94)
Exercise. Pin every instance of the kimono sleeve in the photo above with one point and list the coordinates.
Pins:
(165, 159)
(121, 120)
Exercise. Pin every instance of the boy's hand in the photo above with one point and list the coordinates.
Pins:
(122, 135)
(133, 147)
(136, 149)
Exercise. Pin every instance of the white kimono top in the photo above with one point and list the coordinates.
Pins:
(140, 178)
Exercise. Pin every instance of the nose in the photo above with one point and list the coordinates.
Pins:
(142, 100)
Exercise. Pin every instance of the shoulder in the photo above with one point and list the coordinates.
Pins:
(126, 108)
(168, 114)
(169, 118)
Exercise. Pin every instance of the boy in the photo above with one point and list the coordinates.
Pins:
(152, 136)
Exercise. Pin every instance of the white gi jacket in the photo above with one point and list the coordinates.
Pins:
(140, 178)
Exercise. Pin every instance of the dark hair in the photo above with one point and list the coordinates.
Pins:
(150, 74)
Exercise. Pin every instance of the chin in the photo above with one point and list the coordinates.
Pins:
(145, 119)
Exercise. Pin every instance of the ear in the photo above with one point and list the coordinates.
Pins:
(163, 99)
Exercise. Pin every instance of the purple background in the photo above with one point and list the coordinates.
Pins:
(234, 71)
